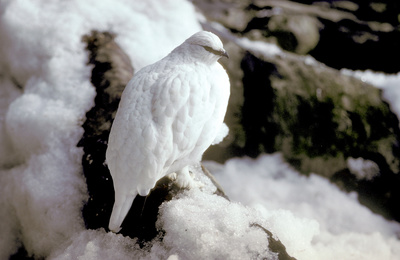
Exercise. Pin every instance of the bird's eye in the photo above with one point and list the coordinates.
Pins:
(209, 49)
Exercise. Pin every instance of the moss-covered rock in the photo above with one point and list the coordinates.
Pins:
(316, 116)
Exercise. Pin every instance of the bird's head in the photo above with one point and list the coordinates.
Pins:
(205, 46)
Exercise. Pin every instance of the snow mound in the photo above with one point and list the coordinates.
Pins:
(312, 217)
(45, 92)
(198, 225)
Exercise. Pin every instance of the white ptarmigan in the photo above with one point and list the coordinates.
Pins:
(170, 113)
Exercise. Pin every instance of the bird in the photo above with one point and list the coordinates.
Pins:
(170, 112)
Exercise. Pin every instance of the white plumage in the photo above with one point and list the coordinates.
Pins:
(170, 113)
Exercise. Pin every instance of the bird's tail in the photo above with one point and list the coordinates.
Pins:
(121, 207)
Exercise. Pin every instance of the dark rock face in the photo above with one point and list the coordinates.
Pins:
(257, 120)
(110, 74)
(21, 254)
(356, 35)
(358, 46)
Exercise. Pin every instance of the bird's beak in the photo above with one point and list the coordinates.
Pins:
(224, 54)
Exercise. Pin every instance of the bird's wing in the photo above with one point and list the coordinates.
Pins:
(149, 121)
(126, 153)
(173, 113)
(186, 106)
(218, 101)
(129, 150)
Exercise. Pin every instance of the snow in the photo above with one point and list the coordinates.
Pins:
(312, 217)
(212, 228)
(363, 169)
(45, 92)
(197, 225)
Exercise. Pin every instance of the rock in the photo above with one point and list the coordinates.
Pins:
(366, 39)
(111, 72)
(275, 245)
(357, 35)
(314, 112)
(21, 254)
(358, 46)
(296, 33)
(231, 13)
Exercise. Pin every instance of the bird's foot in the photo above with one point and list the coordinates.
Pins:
(185, 180)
